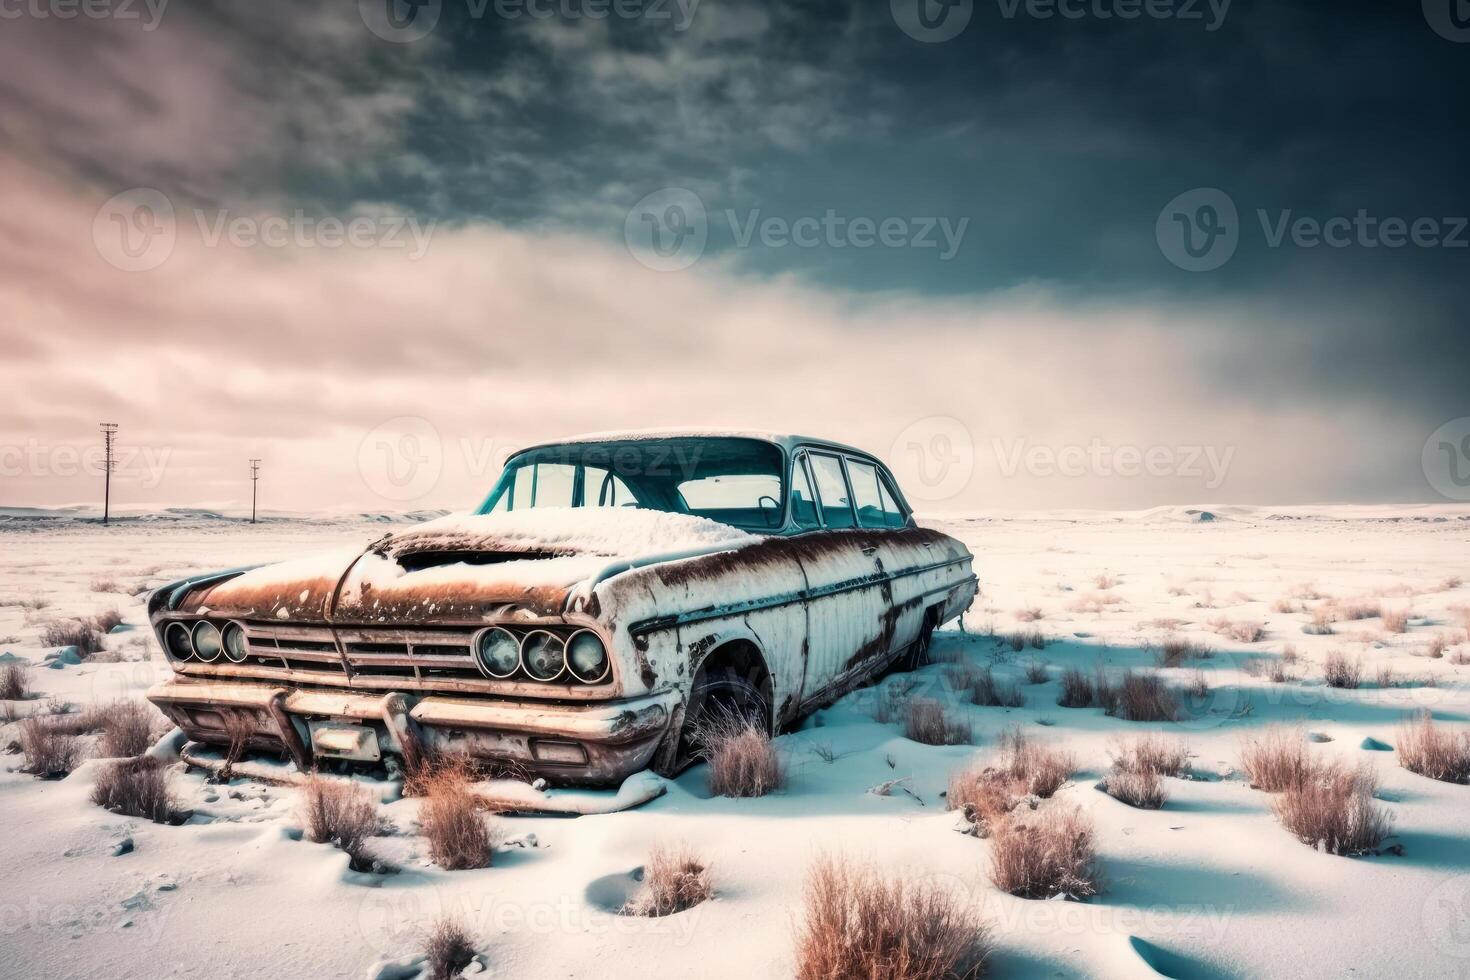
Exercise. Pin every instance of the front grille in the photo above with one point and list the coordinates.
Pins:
(368, 651)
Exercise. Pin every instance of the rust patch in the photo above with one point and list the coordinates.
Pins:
(883, 642)
(645, 669)
(802, 548)
(302, 598)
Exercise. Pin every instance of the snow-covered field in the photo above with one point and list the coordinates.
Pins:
(1211, 883)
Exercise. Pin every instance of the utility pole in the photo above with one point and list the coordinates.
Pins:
(109, 432)
(254, 479)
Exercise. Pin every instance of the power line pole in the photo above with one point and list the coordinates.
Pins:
(109, 432)
(254, 479)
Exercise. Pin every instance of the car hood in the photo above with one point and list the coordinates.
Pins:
(460, 568)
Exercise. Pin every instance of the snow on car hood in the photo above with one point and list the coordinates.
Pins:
(464, 566)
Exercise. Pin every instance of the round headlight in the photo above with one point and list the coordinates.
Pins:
(498, 652)
(207, 643)
(234, 641)
(544, 655)
(587, 657)
(176, 638)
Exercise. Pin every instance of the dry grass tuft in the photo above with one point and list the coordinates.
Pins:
(1437, 646)
(1038, 769)
(1283, 605)
(128, 728)
(742, 760)
(926, 721)
(134, 788)
(1333, 811)
(857, 925)
(449, 950)
(1176, 650)
(49, 753)
(450, 818)
(1036, 672)
(341, 814)
(71, 633)
(988, 692)
(1029, 615)
(1431, 751)
(1143, 789)
(1276, 760)
(1396, 620)
(674, 879)
(105, 585)
(1152, 753)
(15, 681)
(1142, 697)
(1076, 689)
(1045, 854)
(105, 621)
(1340, 672)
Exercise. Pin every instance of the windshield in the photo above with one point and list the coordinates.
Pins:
(732, 480)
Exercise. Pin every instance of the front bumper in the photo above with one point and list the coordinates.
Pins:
(586, 744)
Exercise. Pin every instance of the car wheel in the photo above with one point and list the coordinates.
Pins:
(719, 695)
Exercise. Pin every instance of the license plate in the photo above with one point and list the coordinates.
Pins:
(336, 740)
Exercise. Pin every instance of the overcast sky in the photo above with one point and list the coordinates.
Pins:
(1034, 261)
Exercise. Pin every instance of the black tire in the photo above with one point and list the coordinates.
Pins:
(917, 655)
(718, 695)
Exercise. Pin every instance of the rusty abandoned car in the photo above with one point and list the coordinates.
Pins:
(611, 594)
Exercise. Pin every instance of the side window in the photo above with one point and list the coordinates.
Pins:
(892, 513)
(866, 494)
(832, 489)
(803, 501)
(551, 486)
(602, 488)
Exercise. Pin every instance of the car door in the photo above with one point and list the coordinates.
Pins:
(847, 636)
(902, 552)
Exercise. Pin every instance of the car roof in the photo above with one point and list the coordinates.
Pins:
(786, 441)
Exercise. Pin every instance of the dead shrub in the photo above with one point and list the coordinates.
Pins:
(1198, 687)
(1283, 605)
(1105, 581)
(892, 701)
(674, 879)
(1356, 609)
(1434, 752)
(1036, 672)
(423, 765)
(1176, 650)
(134, 788)
(105, 621)
(15, 681)
(128, 728)
(1142, 789)
(926, 722)
(1143, 697)
(988, 692)
(1076, 689)
(1322, 619)
(1341, 672)
(1044, 854)
(1436, 648)
(341, 814)
(49, 753)
(1152, 753)
(1396, 620)
(984, 794)
(71, 633)
(1384, 678)
(449, 950)
(742, 760)
(1333, 811)
(73, 723)
(1279, 673)
(450, 818)
(1028, 615)
(1035, 639)
(1276, 760)
(105, 585)
(857, 925)
(1247, 632)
